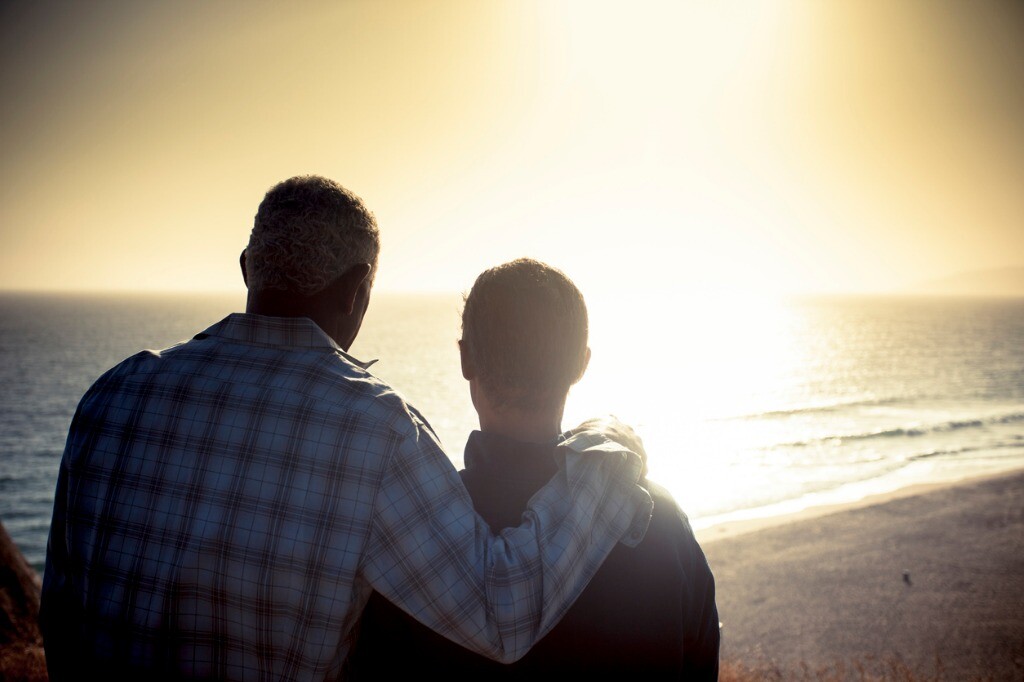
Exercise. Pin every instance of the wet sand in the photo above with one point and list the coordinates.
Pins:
(915, 576)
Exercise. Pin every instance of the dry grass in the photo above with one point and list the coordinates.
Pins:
(22, 662)
(870, 670)
(29, 665)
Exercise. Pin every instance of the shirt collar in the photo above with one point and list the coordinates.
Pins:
(292, 332)
(500, 456)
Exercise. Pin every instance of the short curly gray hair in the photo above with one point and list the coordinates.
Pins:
(308, 231)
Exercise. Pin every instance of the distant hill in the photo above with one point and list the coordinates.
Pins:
(994, 282)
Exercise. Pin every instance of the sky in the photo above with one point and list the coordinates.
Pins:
(684, 146)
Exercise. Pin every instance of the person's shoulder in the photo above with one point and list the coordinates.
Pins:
(329, 379)
(669, 523)
(671, 537)
(665, 504)
(140, 363)
(376, 397)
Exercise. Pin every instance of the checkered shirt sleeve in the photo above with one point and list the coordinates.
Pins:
(427, 538)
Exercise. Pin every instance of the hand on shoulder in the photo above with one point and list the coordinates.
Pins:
(615, 430)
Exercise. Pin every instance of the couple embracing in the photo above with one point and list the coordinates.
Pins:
(255, 503)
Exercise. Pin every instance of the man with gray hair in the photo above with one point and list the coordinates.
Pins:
(225, 507)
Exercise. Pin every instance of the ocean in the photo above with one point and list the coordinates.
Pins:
(747, 407)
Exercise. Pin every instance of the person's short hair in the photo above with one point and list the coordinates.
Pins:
(524, 330)
(308, 231)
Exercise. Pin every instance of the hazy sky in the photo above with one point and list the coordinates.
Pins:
(792, 145)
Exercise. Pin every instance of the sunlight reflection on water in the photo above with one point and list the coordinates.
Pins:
(744, 402)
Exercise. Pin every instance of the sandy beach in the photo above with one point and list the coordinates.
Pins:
(916, 577)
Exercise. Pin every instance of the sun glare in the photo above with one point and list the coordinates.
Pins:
(674, 365)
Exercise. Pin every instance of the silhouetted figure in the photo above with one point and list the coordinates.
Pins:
(225, 507)
(650, 610)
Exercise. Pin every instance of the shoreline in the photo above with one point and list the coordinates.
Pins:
(927, 576)
(751, 521)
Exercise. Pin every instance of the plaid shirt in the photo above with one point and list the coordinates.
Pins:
(225, 507)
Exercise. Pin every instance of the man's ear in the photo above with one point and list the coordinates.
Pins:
(350, 282)
(245, 274)
(586, 363)
(468, 372)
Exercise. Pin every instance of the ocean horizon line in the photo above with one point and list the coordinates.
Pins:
(895, 294)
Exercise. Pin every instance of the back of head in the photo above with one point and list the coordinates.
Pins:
(524, 330)
(308, 231)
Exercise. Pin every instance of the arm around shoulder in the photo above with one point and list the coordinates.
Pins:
(433, 556)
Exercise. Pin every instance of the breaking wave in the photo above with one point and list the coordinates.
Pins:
(909, 431)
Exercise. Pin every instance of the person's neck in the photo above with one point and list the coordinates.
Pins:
(529, 426)
(338, 308)
(316, 308)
